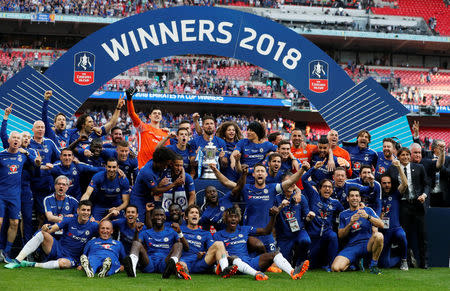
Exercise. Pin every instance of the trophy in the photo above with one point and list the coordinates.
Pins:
(209, 157)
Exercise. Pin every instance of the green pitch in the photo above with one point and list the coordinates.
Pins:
(31, 279)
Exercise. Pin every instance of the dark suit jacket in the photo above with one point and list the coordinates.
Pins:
(419, 180)
(444, 180)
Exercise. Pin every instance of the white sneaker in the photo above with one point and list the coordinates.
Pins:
(86, 266)
(404, 265)
(105, 268)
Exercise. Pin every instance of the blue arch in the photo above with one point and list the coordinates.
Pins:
(213, 31)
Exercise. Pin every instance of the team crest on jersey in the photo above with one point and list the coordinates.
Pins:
(84, 68)
(261, 150)
(106, 246)
(390, 198)
(366, 158)
(74, 172)
(87, 232)
(117, 189)
(222, 208)
(13, 169)
(266, 191)
(381, 170)
(356, 225)
(199, 237)
(318, 76)
(62, 144)
(166, 239)
(240, 235)
(357, 165)
(46, 150)
(67, 207)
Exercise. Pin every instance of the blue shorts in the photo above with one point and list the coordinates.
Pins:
(268, 242)
(198, 266)
(96, 263)
(10, 206)
(155, 265)
(253, 262)
(354, 252)
(57, 252)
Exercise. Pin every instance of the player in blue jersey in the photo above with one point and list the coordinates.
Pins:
(175, 214)
(392, 230)
(116, 137)
(230, 132)
(59, 204)
(148, 179)
(128, 162)
(324, 154)
(288, 162)
(92, 154)
(292, 238)
(341, 186)
(111, 193)
(65, 253)
(253, 149)
(26, 196)
(42, 183)
(273, 165)
(385, 157)
(181, 148)
(358, 226)
(74, 171)
(235, 238)
(102, 254)
(361, 153)
(127, 226)
(158, 249)
(198, 143)
(177, 186)
(212, 210)
(324, 241)
(371, 197)
(85, 127)
(59, 134)
(203, 252)
(12, 162)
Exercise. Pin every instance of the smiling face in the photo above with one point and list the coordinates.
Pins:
(158, 217)
(60, 122)
(26, 137)
(156, 116)
(339, 178)
(388, 149)
(175, 212)
(333, 138)
(416, 154)
(297, 138)
(177, 167)
(122, 153)
(354, 199)
(323, 150)
(284, 150)
(111, 170)
(230, 133)
(84, 213)
(66, 157)
(117, 135)
(386, 184)
(88, 125)
(365, 175)
(211, 194)
(363, 140)
(105, 229)
(131, 214)
(38, 129)
(404, 158)
(326, 190)
(209, 127)
(232, 220)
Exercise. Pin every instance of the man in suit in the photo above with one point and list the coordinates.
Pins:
(413, 202)
(432, 166)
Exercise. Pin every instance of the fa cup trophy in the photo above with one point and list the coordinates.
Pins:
(209, 157)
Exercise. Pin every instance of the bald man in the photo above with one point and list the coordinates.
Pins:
(102, 254)
(42, 185)
(338, 152)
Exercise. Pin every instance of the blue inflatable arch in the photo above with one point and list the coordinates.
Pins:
(345, 106)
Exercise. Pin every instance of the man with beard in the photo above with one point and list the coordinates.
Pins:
(158, 249)
(65, 253)
(213, 209)
(111, 193)
(392, 230)
(300, 148)
(199, 143)
(116, 138)
(361, 153)
(357, 225)
(127, 161)
(148, 179)
(12, 162)
(59, 205)
(385, 157)
(325, 155)
(203, 251)
(371, 197)
(273, 167)
(177, 186)
(59, 134)
(102, 254)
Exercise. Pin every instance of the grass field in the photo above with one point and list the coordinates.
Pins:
(31, 279)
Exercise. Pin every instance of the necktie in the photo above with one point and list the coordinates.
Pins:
(410, 194)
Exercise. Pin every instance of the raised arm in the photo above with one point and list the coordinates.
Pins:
(197, 126)
(293, 179)
(130, 107)
(403, 179)
(113, 121)
(4, 133)
(222, 179)
(273, 212)
(236, 192)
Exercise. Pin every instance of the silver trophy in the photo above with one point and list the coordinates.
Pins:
(209, 157)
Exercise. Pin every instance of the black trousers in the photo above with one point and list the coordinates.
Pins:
(412, 219)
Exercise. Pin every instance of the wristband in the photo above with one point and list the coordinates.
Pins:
(180, 235)
(368, 217)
